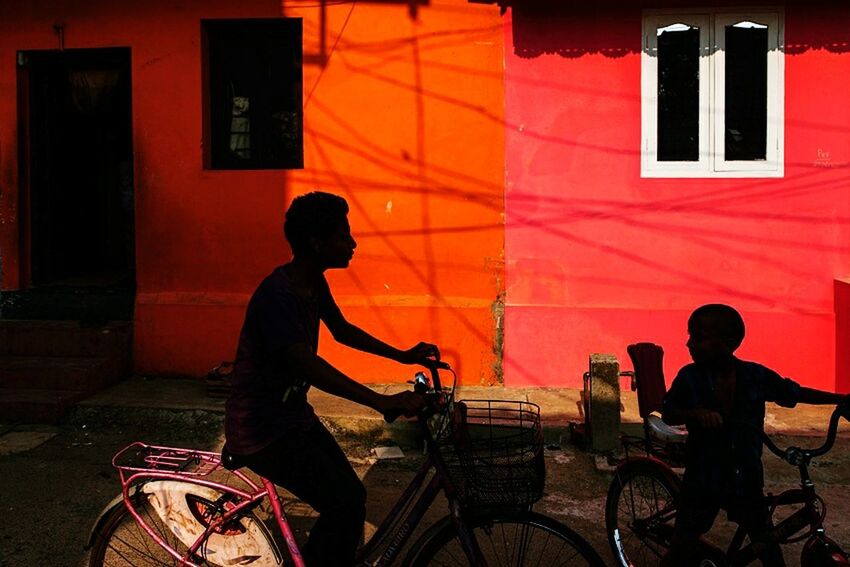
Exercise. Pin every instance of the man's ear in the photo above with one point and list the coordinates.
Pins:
(315, 244)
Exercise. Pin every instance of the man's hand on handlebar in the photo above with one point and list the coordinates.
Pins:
(408, 404)
(426, 354)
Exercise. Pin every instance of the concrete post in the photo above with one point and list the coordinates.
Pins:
(603, 419)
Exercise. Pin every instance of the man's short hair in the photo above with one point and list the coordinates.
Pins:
(313, 215)
(729, 320)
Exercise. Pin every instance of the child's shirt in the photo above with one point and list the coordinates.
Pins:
(725, 462)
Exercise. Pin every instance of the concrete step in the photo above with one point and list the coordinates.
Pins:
(65, 338)
(27, 405)
(69, 302)
(85, 374)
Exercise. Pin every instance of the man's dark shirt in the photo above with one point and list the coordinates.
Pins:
(725, 463)
(267, 400)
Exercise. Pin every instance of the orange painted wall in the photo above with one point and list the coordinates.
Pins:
(597, 258)
(404, 120)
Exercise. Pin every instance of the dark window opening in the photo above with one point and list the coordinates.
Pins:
(678, 93)
(253, 100)
(746, 92)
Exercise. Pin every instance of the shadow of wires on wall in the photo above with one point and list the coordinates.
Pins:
(568, 30)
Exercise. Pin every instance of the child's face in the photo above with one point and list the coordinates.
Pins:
(707, 343)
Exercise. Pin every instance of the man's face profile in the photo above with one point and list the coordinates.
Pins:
(337, 250)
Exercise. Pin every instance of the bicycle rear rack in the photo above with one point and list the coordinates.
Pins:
(140, 457)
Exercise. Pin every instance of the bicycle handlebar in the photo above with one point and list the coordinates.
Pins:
(421, 384)
(797, 455)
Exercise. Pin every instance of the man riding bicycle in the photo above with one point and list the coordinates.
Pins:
(269, 422)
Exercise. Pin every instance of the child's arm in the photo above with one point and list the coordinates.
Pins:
(700, 417)
(680, 407)
(820, 397)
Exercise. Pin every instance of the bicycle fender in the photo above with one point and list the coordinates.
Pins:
(650, 463)
(118, 500)
(445, 523)
(820, 550)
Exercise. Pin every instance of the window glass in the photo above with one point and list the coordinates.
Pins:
(746, 91)
(254, 94)
(678, 93)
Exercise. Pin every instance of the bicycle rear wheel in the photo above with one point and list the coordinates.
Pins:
(507, 538)
(640, 511)
(120, 540)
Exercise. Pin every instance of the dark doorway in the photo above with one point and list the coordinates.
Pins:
(78, 167)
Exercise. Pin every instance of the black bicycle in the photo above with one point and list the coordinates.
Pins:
(641, 508)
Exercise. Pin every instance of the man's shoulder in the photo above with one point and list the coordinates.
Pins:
(275, 280)
(275, 284)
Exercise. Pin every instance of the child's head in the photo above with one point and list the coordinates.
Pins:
(715, 331)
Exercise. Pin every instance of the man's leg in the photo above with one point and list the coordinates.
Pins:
(312, 466)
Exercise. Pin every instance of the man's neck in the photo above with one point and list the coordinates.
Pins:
(304, 274)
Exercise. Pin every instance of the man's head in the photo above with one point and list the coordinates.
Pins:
(715, 331)
(316, 225)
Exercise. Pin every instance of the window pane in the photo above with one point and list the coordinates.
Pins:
(255, 116)
(678, 93)
(746, 92)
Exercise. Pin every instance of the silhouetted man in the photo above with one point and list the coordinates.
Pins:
(268, 419)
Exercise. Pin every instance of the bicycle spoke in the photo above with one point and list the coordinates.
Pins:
(137, 550)
(640, 517)
(512, 539)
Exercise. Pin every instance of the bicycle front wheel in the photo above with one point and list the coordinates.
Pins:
(640, 512)
(507, 538)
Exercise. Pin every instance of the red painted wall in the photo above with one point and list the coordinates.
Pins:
(404, 120)
(598, 258)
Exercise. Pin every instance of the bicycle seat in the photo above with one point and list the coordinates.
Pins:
(664, 432)
(230, 461)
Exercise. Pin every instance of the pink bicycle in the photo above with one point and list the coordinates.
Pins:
(485, 456)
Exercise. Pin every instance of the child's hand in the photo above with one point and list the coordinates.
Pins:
(705, 418)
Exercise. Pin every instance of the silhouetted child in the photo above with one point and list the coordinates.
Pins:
(722, 401)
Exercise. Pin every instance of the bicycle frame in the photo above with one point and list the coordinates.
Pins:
(784, 531)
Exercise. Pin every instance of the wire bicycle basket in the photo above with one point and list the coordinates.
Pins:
(493, 452)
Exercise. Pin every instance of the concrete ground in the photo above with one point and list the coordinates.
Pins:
(55, 480)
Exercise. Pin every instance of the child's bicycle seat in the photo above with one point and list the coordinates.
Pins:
(663, 432)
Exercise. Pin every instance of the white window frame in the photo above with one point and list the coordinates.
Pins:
(711, 161)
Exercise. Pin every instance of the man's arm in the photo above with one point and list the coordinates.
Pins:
(353, 336)
(319, 373)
